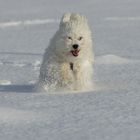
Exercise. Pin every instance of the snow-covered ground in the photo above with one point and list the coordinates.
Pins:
(110, 112)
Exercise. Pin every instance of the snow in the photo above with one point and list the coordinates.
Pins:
(113, 59)
(110, 112)
(123, 18)
(26, 23)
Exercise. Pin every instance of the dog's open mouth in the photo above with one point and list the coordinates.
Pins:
(75, 52)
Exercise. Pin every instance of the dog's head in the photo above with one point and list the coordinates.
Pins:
(73, 39)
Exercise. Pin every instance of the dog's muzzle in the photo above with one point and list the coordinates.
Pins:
(75, 52)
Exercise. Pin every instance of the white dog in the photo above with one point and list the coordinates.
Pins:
(68, 61)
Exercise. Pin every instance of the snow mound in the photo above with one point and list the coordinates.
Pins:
(5, 82)
(26, 23)
(122, 18)
(113, 59)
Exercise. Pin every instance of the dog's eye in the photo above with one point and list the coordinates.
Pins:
(69, 38)
(80, 38)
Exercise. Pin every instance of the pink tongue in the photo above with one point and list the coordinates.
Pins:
(75, 52)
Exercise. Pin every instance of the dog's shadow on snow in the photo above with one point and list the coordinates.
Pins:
(17, 88)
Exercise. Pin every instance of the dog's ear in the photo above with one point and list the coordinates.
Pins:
(72, 18)
(65, 18)
(75, 16)
(78, 17)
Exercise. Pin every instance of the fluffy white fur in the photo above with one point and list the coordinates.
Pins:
(60, 69)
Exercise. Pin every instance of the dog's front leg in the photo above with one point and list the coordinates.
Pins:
(66, 76)
(84, 76)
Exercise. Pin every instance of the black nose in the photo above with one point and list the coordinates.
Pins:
(75, 46)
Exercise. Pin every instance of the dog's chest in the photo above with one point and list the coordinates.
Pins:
(69, 71)
(71, 66)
